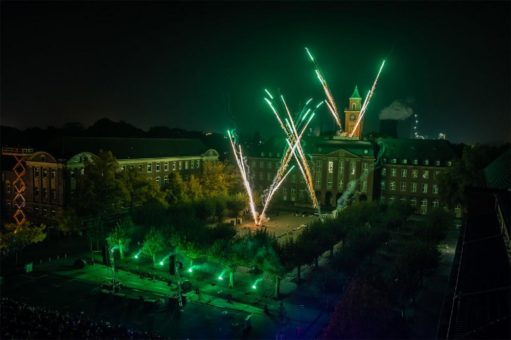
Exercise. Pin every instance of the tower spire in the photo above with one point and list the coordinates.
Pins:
(355, 93)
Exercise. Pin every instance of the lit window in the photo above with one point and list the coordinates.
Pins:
(415, 161)
(157, 167)
(45, 172)
(197, 164)
(284, 194)
(449, 163)
(404, 172)
(424, 206)
(353, 168)
(293, 194)
(413, 202)
(393, 172)
(437, 163)
(405, 161)
(149, 167)
(393, 186)
(36, 172)
(382, 185)
(436, 203)
(426, 162)
(414, 187)
(364, 186)
(166, 166)
(157, 180)
(180, 165)
(425, 174)
(435, 189)
(52, 173)
(192, 164)
(425, 188)
(166, 179)
(330, 167)
(384, 172)
(415, 173)
(403, 186)
(173, 166)
(393, 161)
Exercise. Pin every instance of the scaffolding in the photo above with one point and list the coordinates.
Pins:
(19, 170)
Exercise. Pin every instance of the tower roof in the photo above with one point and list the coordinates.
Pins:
(355, 93)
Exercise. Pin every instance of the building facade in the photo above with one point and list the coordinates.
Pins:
(50, 181)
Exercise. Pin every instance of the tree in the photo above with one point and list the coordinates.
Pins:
(15, 238)
(176, 191)
(154, 242)
(214, 179)
(194, 189)
(435, 226)
(120, 236)
(141, 188)
(364, 312)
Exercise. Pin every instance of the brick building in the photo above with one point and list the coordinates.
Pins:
(51, 179)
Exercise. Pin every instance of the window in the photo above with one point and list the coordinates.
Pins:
(53, 194)
(123, 168)
(269, 164)
(197, 163)
(52, 173)
(364, 186)
(425, 174)
(415, 173)
(187, 165)
(393, 172)
(426, 162)
(166, 179)
(173, 166)
(365, 166)
(157, 180)
(424, 206)
(393, 161)
(140, 167)
(414, 187)
(330, 167)
(403, 186)
(353, 106)
(415, 161)
(393, 186)
(436, 204)
(329, 182)
(413, 202)
(341, 184)
(8, 187)
(449, 163)
(384, 172)
(166, 166)
(293, 194)
(382, 185)
(284, 194)
(437, 163)
(404, 172)
(353, 166)
(435, 189)
(268, 176)
(425, 188)
(149, 167)
(180, 165)
(261, 164)
(45, 172)
(341, 167)
(192, 164)
(36, 172)
(157, 167)
(405, 161)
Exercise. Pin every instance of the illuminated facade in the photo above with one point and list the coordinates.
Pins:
(351, 114)
(50, 181)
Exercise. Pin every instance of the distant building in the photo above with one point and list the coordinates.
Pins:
(50, 180)
(410, 169)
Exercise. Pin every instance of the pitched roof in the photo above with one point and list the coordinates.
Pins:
(133, 148)
(498, 173)
(420, 149)
(355, 93)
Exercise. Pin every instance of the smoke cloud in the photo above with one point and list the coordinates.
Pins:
(396, 111)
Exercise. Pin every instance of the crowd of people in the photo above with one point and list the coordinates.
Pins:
(19, 320)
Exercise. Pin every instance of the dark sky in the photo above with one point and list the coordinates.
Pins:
(180, 64)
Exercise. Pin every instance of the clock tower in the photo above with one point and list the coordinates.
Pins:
(351, 114)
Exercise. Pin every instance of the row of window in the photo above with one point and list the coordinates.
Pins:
(416, 162)
(177, 165)
(413, 187)
(413, 202)
(414, 173)
(43, 193)
(52, 172)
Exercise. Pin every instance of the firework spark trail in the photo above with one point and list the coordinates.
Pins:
(273, 189)
(278, 179)
(330, 98)
(367, 100)
(240, 162)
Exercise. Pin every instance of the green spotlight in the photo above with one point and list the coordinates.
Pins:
(161, 263)
(254, 287)
(136, 256)
(190, 270)
(220, 278)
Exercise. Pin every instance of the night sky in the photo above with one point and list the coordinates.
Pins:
(204, 66)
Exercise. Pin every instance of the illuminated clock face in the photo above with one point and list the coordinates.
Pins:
(352, 116)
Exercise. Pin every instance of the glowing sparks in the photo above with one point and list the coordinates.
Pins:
(268, 93)
(367, 100)
(329, 97)
(240, 161)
